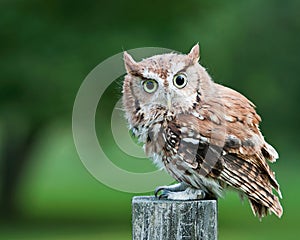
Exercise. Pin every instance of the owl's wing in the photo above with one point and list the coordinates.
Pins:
(242, 124)
(236, 151)
(253, 181)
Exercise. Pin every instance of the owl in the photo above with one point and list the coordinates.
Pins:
(205, 135)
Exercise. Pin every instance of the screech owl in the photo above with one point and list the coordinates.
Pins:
(205, 135)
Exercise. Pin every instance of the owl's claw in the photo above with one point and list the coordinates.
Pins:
(157, 190)
(178, 187)
(187, 194)
(164, 194)
(179, 191)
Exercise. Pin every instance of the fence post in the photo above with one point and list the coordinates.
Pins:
(154, 219)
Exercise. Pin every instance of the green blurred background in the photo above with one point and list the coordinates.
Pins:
(47, 49)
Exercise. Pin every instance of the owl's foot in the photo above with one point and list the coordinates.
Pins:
(180, 191)
(178, 187)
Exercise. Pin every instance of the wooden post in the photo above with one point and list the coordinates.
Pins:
(154, 219)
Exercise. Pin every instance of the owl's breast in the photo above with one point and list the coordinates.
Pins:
(161, 141)
(180, 154)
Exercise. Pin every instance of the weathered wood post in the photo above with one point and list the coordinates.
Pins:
(154, 219)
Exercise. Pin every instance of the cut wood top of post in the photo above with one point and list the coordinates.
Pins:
(140, 199)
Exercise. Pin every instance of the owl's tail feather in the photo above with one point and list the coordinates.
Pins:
(260, 210)
(254, 182)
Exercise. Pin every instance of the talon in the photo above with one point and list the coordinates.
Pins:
(157, 190)
(166, 190)
(179, 192)
(163, 196)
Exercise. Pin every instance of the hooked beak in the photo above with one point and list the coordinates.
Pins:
(169, 102)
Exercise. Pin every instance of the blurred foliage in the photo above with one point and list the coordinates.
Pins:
(48, 47)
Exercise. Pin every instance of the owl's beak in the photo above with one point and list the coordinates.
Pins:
(169, 101)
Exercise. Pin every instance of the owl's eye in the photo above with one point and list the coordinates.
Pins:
(180, 80)
(150, 85)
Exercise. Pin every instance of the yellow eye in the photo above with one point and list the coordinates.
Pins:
(180, 80)
(150, 85)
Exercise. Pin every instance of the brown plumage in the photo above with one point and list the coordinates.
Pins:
(203, 134)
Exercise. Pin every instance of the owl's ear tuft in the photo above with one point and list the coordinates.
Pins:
(194, 54)
(130, 65)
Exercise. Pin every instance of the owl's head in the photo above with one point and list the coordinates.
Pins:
(171, 82)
